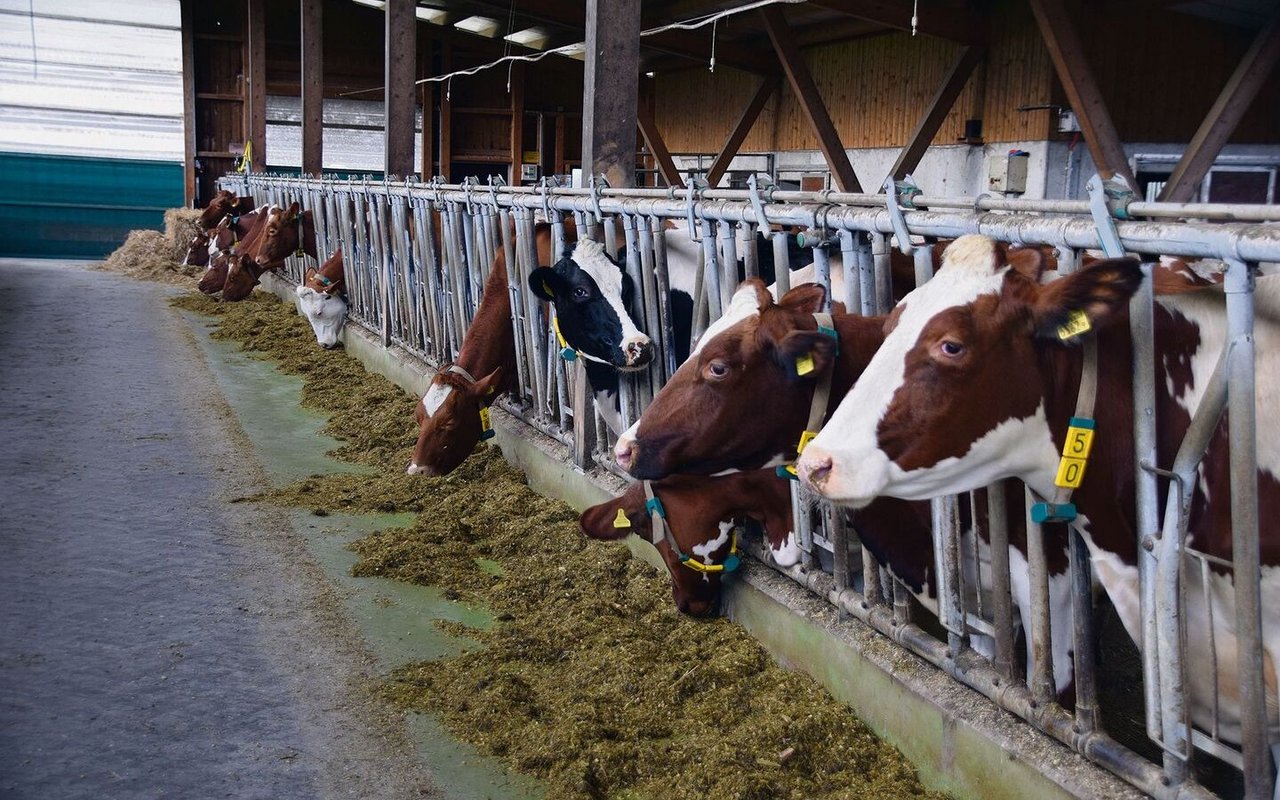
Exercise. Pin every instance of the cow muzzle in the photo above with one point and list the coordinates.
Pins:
(637, 352)
(624, 452)
(415, 469)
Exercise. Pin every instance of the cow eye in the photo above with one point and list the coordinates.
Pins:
(580, 292)
(717, 369)
(951, 348)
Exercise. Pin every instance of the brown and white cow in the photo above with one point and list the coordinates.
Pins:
(289, 230)
(321, 300)
(222, 204)
(973, 384)
(449, 424)
(236, 233)
(700, 514)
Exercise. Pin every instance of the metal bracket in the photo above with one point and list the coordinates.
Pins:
(908, 191)
(757, 204)
(468, 185)
(696, 185)
(1108, 201)
(895, 216)
(546, 197)
(596, 183)
(495, 181)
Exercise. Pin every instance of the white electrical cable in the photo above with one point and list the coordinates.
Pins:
(687, 25)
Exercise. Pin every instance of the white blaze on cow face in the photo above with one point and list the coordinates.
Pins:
(435, 397)
(325, 312)
(859, 469)
(590, 258)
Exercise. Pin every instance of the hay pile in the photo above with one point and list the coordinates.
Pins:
(153, 256)
(589, 679)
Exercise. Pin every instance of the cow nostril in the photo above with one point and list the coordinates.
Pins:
(817, 469)
(624, 453)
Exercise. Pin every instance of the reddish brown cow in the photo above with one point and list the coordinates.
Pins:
(321, 301)
(235, 233)
(288, 231)
(449, 420)
(222, 204)
(699, 513)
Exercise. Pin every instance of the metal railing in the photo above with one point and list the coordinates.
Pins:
(417, 257)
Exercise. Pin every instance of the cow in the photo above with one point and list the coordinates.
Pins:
(321, 299)
(289, 230)
(235, 233)
(222, 204)
(699, 514)
(977, 380)
(449, 417)
(197, 254)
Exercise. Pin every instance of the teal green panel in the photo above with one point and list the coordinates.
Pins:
(67, 207)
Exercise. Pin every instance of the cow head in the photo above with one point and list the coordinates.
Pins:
(215, 275)
(738, 402)
(699, 514)
(197, 254)
(320, 300)
(953, 399)
(591, 293)
(280, 237)
(221, 205)
(449, 421)
(243, 273)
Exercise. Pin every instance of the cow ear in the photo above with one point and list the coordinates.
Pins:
(807, 298)
(1075, 303)
(617, 518)
(804, 355)
(294, 210)
(486, 386)
(1028, 261)
(546, 283)
(308, 275)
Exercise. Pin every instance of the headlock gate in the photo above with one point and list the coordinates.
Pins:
(418, 255)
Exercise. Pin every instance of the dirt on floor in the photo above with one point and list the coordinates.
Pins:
(154, 256)
(589, 679)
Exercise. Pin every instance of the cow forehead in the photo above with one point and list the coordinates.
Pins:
(744, 306)
(435, 397)
(589, 257)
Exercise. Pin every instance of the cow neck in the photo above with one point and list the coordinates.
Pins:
(819, 404)
(660, 531)
(490, 341)
(486, 427)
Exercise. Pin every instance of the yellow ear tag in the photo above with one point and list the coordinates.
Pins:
(804, 364)
(547, 288)
(1077, 323)
(621, 520)
(805, 438)
(484, 418)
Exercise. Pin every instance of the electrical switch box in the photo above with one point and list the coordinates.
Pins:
(1008, 172)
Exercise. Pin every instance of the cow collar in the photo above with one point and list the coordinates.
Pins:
(1080, 431)
(661, 531)
(486, 426)
(569, 353)
(821, 394)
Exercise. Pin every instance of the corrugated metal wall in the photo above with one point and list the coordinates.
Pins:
(90, 122)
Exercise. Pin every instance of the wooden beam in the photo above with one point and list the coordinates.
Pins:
(557, 156)
(610, 90)
(1086, 101)
(401, 56)
(427, 97)
(311, 79)
(936, 112)
(658, 147)
(746, 121)
(189, 185)
(517, 121)
(957, 25)
(1221, 121)
(256, 70)
(806, 91)
(446, 115)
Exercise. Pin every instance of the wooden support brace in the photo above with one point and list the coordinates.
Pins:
(658, 147)
(311, 79)
(401, 58)
(815, 111)
(750, 114)
(1059, 33)
(256, 63)
(936, 112)
(1224, 116)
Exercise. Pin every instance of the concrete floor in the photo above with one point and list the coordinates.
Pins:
(153, 642)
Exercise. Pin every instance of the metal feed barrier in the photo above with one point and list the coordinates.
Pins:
(418, 254)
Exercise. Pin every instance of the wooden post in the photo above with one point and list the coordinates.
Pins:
(446, 115)
(256, 116)
(557, 156)
(815, 111)
(610, 90)
(428, 96)
(1086, 101)
(517, 122)
(1221, 121)
(401, 54)
(653, 140)
(189, 187)
(311, 81)
(936, 113)
(720, 164)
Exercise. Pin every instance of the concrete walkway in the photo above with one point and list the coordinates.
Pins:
(155, 641)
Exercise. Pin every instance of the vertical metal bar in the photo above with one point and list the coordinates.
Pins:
(1086, 658)
(584, 418)
(729, 263)
(901, 601)
(634, 394)
(535, 329)
(804, 523)
(884, 272)
(653, 377)
(663, 276)
(781, 262)
(1242, 434)
(515, 289)
(871, 592)
(849, 271)
(750, 257)
(866, 277)
(1001, 599)
(1042, 686)
(822, 273)
(923, 256)
(716, 303)
(946, 544)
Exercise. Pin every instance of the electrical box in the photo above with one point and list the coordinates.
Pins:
(1008, 172)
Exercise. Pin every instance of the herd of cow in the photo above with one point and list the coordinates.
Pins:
(975, 376)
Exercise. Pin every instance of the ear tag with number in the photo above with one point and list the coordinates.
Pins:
(486, 429)
(804, 364)
(621, 520)
(1077, 323)
(805, 438)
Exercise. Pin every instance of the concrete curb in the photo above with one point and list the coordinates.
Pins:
(961, 743)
